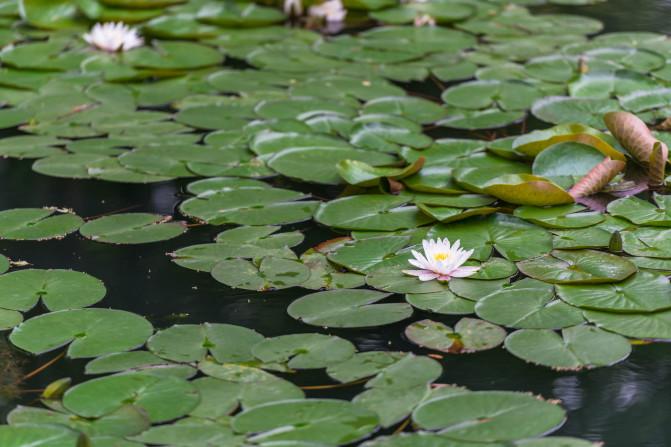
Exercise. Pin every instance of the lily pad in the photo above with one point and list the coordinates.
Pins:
(58, 289)
(326, 421)
(469, 335)
(578, 267)
(89, 332)
(576, 348)
(132, 228)
(191, 343)
(489, 416)
(304, 351)
(527, 304)
(643, 292)
(642, 212)
(267, 273)
(348, 309)
(37, 223)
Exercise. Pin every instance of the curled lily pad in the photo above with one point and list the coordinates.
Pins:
(489, 416)
(469, 335)
(526, 189)
(576, 348)
(89, 332)
(527, 304)
(348, 308)
(578, 266)
(58, 289)
(132, 228)
(37, 223)
(312, 420)
(643, 292)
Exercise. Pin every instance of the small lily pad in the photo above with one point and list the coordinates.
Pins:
(37, 223)
(304, 351)
(469, 335)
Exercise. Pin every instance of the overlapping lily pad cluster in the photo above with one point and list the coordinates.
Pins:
(224, 91)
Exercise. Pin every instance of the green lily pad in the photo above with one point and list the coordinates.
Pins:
(577, 347)
(560, 109)
(578, 267)
(371, 212)
(469, 335)
(38, 435)
(132, 228)
(138, 361)
(163, 397)
(527, 304)
(191, 343)
(37, 223)
(642, 212)
(267, 273)
(362, 255)
(512, 237)
(489, 416)
(320, 164)
(240, 242)
(249, 206)
(647, 241)
(58, 289)
(304, 351)
(362, 365)
(508, 95)
(444, 302)
(347, 309)
(643, 292)
(89, 332)
(565, 216)
(326, 421)
(655, 325)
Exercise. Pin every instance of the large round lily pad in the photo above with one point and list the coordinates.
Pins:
(58, 289)
(578, 267)
(643, 292)
(489, 416)
(576, 348)
(348, 309)
(469, 335)
(89, 332)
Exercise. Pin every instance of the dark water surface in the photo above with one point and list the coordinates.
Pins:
(628, 405)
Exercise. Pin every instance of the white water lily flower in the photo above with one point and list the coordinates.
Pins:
(425, 20)
(441, 261)
(113, 37)
(293, 8)
(331, 10)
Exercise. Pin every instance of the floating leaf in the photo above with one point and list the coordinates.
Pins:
(58, 289)
(163, 398)
(347, 309)
(642, 212)
(489, 416)
(132, 228)
(266, 274)
(192, 343)
(37, 223)
(326, 421)
(598, 177)
(643, 292)
(89, 332)
(576, 348)
(527, 304)
(469, 335)
(578, 266)
(304, 351)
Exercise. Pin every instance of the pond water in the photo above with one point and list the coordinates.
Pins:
(624, 405)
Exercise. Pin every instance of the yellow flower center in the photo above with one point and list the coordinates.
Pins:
(441, 256)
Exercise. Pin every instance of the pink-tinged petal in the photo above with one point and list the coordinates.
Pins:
(444, 278)
(423, 275)
(421, 259)
(463, 272)
(417, 263)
